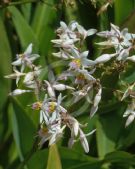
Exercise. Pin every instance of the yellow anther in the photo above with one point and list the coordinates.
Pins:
(37, 105)
(77, 62)
(52, 107)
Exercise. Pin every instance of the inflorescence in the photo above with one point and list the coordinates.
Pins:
(54, 117)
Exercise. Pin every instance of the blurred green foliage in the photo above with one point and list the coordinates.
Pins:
(112, 146)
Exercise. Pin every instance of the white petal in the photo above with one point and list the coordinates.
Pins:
(41, 116)
(106, 43)
(75, 127)
(104, 58)
(52, 139)
(84, 141)
(50, 89)
(18, 92)
(57, 41)
(75, 53)
(97, 97)
(61, 87)
(73, 25)
(17, 62)
(127, 112)
(28, 51)
(51, 92)
(123, 55)
(105, 34)
(124, 31)
(84, 54)
(54, 116)
(91, 32)
(93, 111)
(63, 25)
(90, 133)
(29, 77)
(82, 31)
(126, 94)
(71, 142)
(22, 67)
(129, 120)
(87, 62)
(132, 58)
(34, 57)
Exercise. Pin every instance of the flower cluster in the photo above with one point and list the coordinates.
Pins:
(80, 71)
(53, 117)
(122, 42)
(70, 43)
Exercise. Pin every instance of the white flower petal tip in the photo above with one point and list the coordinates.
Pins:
(93, 111)
(84, 141)
(17, 62)
(91, 32)
(18, 92)
(76, 128)
(132, 58)
(95, 103)
(130, 120)
(97, 98)
(105, 58)
(61, 87)
(123, 55)
(90, 133)
(29, 49)
(71, 142)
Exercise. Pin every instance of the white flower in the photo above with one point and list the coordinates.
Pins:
(130, 119)
(80, 60)
(118, 39)
(132, 58)
(18, 92)
(96, 102)
(31, 75)
(53, 134)
(84, 141)
(84, 33)
(130, 113)
(104, 58)
(64, 43)
(15, 75)
(128, 92)
(50, 110)
(67, 31)
(62, 54)
(53, 85)
(123, 55)
(26, 58)
(86, 91)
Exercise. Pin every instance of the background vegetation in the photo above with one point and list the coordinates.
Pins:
(112, 146)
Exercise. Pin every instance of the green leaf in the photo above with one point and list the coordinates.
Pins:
(54, 158)
(26, 9)
(24, 31)
(71, 158)
(5, 67)
(104, 143)
(23, 130)
(39, 159)
(109, 127)
(122, 10)
(48, 17)
(120, 157)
